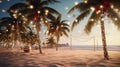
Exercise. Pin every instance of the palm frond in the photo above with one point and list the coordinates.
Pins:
(95, 17)
(66, 29)
(74, 8)
(115, 17)
(51, 17)
(18, 6)
(116, 3)
(52, 11)
(44, 3)
(65, 33)
(80, 17)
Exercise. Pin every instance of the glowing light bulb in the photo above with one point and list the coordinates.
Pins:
(19, 14)
(6, 30)
(112, 6)
(14, 15)
(76, 20)
(91, 19)
(24, 22)
(61, 25)
(46, 12)
(46, 21)
(115, 19)
(16, 11)
(0, 1)
(9, 24)
(31, 22)
(102, 19)
(92, 8)
(98, 12)
(101, 6)
(23, 16)
(85, 1)
(41, 19)
(3, 10)
(116, 10)
(31, 6)
(76, 3)
(38, 12)
(8, 0)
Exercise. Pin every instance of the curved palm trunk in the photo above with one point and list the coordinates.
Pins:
(40, 50)
(38, 30)
(104, 40)
(57, 46)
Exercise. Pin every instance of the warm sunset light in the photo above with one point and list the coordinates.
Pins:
(60, 33)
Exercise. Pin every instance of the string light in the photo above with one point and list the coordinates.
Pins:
(61, 25)
(38, 12)
(25, 19)
(46, 21)
(115, 19)
(98, 12)
(46, 12)
(3, 10)
(91, 19)
(68, 23)
(9, 24)
(92, 8)
(0, 1)
(85, 1)
(31, 22)
(8, 0)
(116, 10)
(19, 14)
(16, 11)
(14, 15)
(6, 30)
(41, 19)
(23, 16)
(112, 6)
(76, 3)
(101, 6)
(31, 6)
(76, 20)
(102, 19)
(24, 22)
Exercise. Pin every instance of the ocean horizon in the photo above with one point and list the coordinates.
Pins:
(91, 47)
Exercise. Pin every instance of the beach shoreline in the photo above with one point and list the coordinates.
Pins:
(60, 58)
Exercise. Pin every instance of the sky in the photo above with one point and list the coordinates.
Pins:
(77, 36)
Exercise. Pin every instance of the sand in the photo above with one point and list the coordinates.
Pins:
(60, 58)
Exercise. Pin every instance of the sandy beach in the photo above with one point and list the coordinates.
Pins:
(60, 58)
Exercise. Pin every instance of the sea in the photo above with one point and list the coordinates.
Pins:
(89, 47)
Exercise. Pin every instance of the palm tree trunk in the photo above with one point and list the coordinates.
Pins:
(104, 40)
(40, 50)
(57, 46)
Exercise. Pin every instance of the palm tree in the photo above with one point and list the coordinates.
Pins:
(40, 13)
(98, 9)
(58, 28)
(50, 42)
(11, 26)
